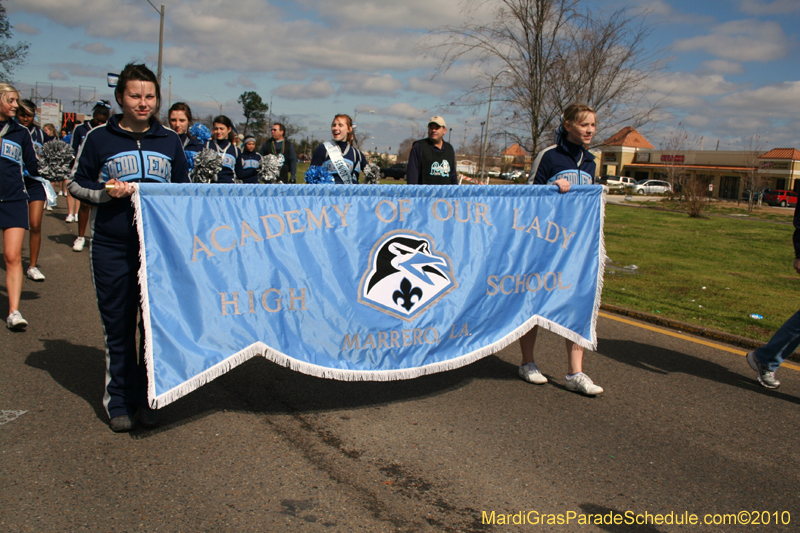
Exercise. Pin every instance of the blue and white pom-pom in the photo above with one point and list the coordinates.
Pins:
(319, 175)
(190, 160)
(207, 164)
(200, 132)
(56, 162)
(270, 169)
(372, 174)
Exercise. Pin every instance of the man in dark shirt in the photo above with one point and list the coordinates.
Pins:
(282, 148)
(432, 161)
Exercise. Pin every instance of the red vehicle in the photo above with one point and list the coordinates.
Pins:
(781, 198)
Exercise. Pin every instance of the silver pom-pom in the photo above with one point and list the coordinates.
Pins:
(270, 169)
(56, 161)
(372, 174)
(207, 164)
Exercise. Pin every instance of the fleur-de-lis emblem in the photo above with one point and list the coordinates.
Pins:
(406, 293)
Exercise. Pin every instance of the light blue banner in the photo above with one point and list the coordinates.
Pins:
(359, 282)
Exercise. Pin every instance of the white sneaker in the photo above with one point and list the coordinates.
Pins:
(580, 382)
(15, 321)
(35, 274)
(78, 244)
(70, 219)
(530, 373)
(47, 207)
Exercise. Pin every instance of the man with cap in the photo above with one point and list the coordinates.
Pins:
(432, 161)
(283, 149)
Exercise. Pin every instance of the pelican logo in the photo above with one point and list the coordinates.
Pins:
(406, 276)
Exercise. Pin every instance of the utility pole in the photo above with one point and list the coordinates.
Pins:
(160, 38)
(488, 115)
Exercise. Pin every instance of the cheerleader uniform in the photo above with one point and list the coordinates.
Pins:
(191, 148)
(110, 152)
(35, 187)
(230, 160)
(16, 156)
(353, 158)
(249, 162)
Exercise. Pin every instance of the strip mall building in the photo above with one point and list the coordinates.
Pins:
(628, 153)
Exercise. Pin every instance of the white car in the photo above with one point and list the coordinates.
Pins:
(618, 182)
(652, 187)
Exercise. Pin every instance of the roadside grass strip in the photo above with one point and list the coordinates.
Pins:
(712, 272)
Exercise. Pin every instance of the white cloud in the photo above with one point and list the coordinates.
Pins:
(96, 48)
(741, 40)
(774, 7)
(688, 84)
(368, 84)
(722, 66)
(402, 110)
(665, 12)
(27, 29)
(778, 98)
(57, 75)
(311, 91)
(246, 82)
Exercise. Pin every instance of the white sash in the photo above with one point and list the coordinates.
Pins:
(338, 162)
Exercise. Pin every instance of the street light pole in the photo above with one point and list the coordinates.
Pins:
(355, 114)
(160, 38)
(220, 105)
(488, 116)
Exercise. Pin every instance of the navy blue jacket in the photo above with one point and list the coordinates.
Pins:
(249, 162)
(192, 147)
(38, 136)
(16, 155)
(563, 161)
(79, 134)
(111, 152)
(230, 160)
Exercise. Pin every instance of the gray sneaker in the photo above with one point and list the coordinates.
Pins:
(530, 373)
(765, 377)
(582, 383)
(15, 322)
(122, 423)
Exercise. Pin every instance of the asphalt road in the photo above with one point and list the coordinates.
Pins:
(682, 428)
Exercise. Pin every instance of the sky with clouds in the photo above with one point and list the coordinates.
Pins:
(733, 64)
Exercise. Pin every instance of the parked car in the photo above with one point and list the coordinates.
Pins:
(652, 187)
(617, 182)
(781, 197)
(396, 171)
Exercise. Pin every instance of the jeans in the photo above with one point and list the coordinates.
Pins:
(781, 345)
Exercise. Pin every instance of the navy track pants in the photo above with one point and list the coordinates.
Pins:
(115, 267)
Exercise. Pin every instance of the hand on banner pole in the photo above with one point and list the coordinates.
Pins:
(119, 189)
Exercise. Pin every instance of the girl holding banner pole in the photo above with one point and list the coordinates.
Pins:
(563, 164)
(18, 156)
(131, 148)
(337, 161)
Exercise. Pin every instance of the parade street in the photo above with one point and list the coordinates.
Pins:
(683, 432)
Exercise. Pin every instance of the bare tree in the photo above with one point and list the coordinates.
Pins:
(693, 188)
(11, 55)
(750, 179)
(405, 149)
(556, 52)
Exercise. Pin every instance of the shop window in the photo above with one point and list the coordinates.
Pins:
(639, 175)
(780, 184)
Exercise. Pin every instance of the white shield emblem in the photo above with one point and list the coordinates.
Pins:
(406, 275)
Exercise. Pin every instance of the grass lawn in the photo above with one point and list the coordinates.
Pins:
(730, 208)
(713, 272)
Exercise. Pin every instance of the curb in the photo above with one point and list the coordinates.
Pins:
(721, 336)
